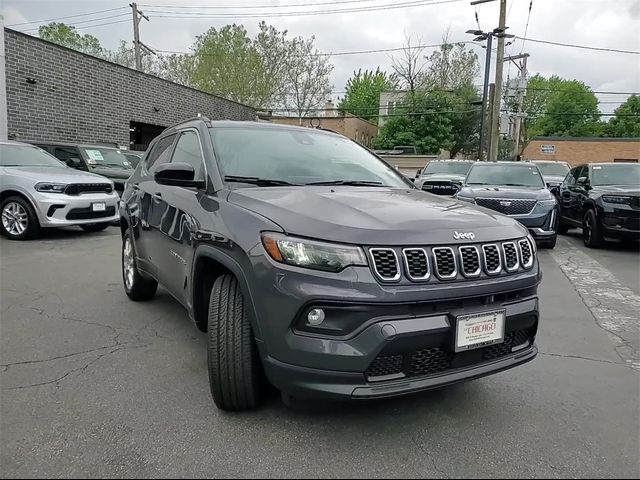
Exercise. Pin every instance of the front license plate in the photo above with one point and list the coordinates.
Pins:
(479, 330)
(99, 207)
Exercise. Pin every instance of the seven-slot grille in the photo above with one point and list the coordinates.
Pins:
(445, 263)
(417, 263)
(420, 264)
(470, 261)
(508, 206)
(385, 263)
(78, 188)
(492, 262)
(511, 262)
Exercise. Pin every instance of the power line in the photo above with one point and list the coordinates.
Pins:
(82, 27)
(70, 16)
(236, 7)
(526, 28)
(73, 25)
(371, 8)
(585, 47)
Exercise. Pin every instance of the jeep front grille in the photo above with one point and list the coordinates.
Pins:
(416, 263)
(385, 263)
(445, 263)
(470, 261)
(451, 263)
(508, 206)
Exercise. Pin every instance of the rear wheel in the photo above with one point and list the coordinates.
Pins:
(95, 227)
(591, 232)
(19, 220)
(235, 372)
(136, 286)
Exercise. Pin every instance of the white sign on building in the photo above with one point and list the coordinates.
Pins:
(548, 149)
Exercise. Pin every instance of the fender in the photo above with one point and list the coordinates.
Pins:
(234, 267)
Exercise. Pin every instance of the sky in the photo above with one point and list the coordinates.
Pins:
(599, 23)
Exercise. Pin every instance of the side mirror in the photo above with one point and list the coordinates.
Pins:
(583, 182)
(74, 162)
(178, 174)
(555, 190)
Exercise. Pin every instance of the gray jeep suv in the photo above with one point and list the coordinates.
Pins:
(314, 265)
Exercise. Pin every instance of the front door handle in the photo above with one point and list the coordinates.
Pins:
(157, 196)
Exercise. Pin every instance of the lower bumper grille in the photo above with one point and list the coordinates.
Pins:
(88, 214)
(433, 360)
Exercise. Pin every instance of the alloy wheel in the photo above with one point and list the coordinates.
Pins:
(14, 218)
(127, 263)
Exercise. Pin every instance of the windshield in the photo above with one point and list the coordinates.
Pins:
(27, 156)
(557, 169)
(628, 174)
(505, 174)
(298, 156)
(454, 168)
(106, 157)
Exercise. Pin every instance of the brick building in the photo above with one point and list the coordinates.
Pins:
(356, 128)
(577, 150)
(58, 94)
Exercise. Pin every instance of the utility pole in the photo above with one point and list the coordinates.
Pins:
(481, 36)
(137, 18)
(522, 86)
(495, 121)
(492, 96)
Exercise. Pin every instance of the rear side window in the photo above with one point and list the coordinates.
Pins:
(188, 151)
(161, 152)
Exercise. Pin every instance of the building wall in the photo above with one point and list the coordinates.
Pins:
(396, 97)
(79, 98)
(583, 150)
(352, 127)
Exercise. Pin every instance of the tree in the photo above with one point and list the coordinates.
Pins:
(465, 120)
(363, 90)
(422, 125)
(125, 55)
(451, 67)
(626, 122)
(67, 36)
(307, 77)
(409, 65)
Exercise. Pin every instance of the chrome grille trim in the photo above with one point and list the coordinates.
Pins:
(477, 272)
(529, 264)
(515, 251)
(454, 274)
(495, 271)
(497, 199)
(406, 263)
(396, 277)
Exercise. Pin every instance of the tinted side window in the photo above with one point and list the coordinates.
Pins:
(572, 176)
(188, 151)
(66, 154)
(161, 151)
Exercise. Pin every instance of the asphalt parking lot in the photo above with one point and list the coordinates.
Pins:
(95, 385)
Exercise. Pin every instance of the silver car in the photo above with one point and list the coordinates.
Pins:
(37, 190)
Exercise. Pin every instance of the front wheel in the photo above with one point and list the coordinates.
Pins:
(95, 227)
(591, 232)
(19, 220)
(136, 286)
(235, 372)
(549, 243)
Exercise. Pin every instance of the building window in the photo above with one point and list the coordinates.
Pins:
(391, 106)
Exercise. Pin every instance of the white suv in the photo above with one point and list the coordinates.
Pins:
(37, 190)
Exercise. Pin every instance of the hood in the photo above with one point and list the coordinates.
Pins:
(553, 179)
(374, 215)
(633, 190)
(439, 177)
(112, 172)
(525, 193)
(54, 174)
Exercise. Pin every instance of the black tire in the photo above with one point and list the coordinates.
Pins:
(137, 287)
(27, 214)
(550, 244)
(95, 227)
(563, 228)
(591, 231)
(235, 372)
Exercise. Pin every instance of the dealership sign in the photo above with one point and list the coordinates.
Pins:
(548, 149)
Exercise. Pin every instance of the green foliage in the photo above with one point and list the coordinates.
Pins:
(422, 124)
(67, 36)
(626, 122)
(363, 90)
(452, 67)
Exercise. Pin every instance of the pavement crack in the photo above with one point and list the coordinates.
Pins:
(45, 360)
(580, 357)
(430, 457)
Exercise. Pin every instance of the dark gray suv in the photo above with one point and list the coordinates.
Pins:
(315, 266)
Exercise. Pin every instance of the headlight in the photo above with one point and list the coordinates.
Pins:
(616, 199)
(46, 187)
(465, 199)
(547, 203)
(330, 257)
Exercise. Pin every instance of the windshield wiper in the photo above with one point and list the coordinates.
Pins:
(364, 183)
(261, 182)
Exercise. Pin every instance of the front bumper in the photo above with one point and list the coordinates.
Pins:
(621, 223)
(540, 225)
(59, 210)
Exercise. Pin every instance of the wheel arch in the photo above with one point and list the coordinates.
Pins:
(12, 192)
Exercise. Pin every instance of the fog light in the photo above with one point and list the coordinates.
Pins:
(315, 317)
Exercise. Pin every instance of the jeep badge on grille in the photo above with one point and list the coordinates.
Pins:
(464, 235)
